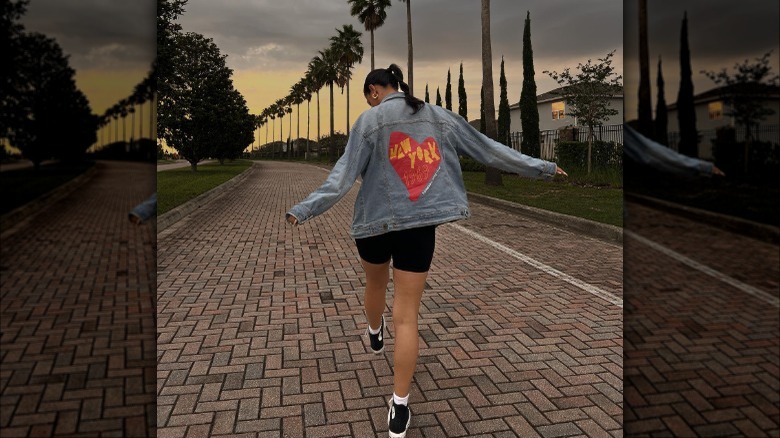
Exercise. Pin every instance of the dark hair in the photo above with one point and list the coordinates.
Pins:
(393, 77)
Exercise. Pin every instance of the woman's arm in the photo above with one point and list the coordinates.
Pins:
(340, 180)
(489, 152)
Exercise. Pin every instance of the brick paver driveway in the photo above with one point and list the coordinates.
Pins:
(77, 314)
(702, 329)
(260, 325)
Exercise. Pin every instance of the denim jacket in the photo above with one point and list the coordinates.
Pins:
(410, 169)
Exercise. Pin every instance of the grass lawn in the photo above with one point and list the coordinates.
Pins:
(600, 204)
(24, 185)
(166, 161)
(177, 186)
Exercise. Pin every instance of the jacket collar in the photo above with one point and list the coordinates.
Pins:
(396, 95)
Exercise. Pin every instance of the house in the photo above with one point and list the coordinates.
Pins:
(553, 114)
(712, 112)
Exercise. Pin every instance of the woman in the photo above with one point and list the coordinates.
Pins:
(407, 155)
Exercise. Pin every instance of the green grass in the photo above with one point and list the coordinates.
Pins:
(596, 203)
(24, 185)
(177, 186)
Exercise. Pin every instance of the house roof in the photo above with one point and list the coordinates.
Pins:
(765, 91)
(554, 95)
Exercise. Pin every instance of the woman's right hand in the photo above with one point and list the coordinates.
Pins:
(292, 219)
(559, 171)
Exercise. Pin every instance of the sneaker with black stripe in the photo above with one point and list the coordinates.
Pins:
(377, 340)
(398, 419)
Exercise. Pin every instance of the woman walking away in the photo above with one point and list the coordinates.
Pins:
(406, 152)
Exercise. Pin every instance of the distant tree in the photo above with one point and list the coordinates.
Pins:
(236, 126)
(529, 113)
(372, 15)
(438, 97)
(462, 104)
(13, 77)
(588, 93)
(51, 117)
(197, 93)
(645, 108)
(661, 115)
(503, 109)
(448, 92)
(427, 96)
(492, 175)
(745, 92)
(686, 113)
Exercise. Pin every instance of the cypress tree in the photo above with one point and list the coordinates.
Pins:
(503, 110)
(645, 108)
(448, 92)
(482, 109)
(686, 113)
(529, 113)
(438, 97)
(661, 117)
(462, 108)
(427, 96)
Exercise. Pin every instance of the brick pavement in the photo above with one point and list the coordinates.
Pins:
(260, 326)
(702, 357)
(77, 323)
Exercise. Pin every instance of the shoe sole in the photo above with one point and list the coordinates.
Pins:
(408, 422)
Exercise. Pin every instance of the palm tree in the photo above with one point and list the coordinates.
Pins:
(288, 109)
(315, 72)
(308, 89)
(372, 15)
(410, 66)
(330, 75)
(297, 97)
(280, 112)
(349, 48)
(492, 175)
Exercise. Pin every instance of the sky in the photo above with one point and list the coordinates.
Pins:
(721, 33)
(269, 44)
(111, 44)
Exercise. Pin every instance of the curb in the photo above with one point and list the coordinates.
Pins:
(605, 232)
(767, 233)
(176, 214)
(16, 218)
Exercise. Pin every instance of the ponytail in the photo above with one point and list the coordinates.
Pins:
(393, 77)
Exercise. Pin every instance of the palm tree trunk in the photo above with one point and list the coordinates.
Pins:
(332, 151)
(132, 127)
(308, 124)
(318, 117)
(492, 175)
(347, 107)
(141, 120)
(410, 72)
(372, 49)
(289, 137)
(151, 116)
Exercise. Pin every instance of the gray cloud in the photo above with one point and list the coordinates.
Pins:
(720, 34)
(98, 33)
(268, 34)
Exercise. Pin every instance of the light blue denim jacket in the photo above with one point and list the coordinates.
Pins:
(410, 168)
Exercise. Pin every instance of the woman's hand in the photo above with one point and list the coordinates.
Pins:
(559, 171)
(292, 219)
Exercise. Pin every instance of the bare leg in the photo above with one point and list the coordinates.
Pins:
(406, 306)
(377, 277)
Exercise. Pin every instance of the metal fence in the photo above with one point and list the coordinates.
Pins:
(768, 133)
(549, 137)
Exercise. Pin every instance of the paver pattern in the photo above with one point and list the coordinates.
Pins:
(702, 357)
(77, 321)
(260, 326)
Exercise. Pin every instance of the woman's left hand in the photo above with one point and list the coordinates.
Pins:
(292, 219)
(559, 171)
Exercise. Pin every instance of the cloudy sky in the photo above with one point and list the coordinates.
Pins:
(720, 34)
(269, 43)
(111, 44)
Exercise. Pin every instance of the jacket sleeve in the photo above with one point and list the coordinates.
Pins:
(338, 183)
(657, 156)
(469, 141)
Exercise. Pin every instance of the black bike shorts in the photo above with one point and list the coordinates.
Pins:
(411, 250)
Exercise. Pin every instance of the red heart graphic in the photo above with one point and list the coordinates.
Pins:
(415, 163)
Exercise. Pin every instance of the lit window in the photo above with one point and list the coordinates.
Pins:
(716, 110)
(557, 110)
